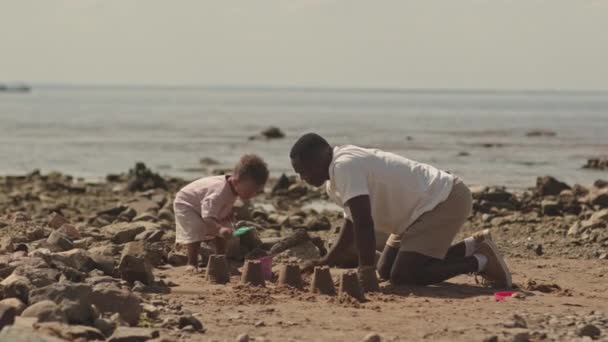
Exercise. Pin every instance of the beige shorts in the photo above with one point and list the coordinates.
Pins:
(433, 232)
(189, 225)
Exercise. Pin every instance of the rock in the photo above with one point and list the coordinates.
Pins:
(493, 338)
(57, 220)
(600, 184)
(491, 194)
(7, 315)
(317, 223)
(70, 231)
(59, 241)
(124, 232)
(141, 179)
(372, 338)
(16, 286)
(190, 321)
(589, 330)
(106, 327)
(259, 324)
(146, 217)
(166, 215)
(242, 338)
(269, 133)
(298, 237)
(125, 334)
(599, 198)
(521, 337)
(110, 299)
(45, 311)
(74, 300)
(540, 133)
(69, 332)
(133, 265)
(157, 253)
(104, 263)
(549, 186)
(282, 184)
(574, 229)
(297, 190)
(142, 206)
(6, 245)
(597, 164)
(76, 258)
(150, 235)
(539, 250)
(39, 275)
(15, 303)
(550, 208)
(599, 217)
(23, 334)
(516, 322)
(302, 252)
(151, 311)
(177, 259)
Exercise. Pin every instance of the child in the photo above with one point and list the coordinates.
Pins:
(415, 209)
(203, 208)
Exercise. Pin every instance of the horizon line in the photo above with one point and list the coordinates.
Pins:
(308, 88)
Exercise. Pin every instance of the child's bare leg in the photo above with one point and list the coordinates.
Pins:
(220, 245)
(192, 252)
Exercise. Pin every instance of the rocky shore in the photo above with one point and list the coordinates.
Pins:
(92, 261)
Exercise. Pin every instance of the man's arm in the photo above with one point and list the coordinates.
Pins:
(363, 229)
(344, 241)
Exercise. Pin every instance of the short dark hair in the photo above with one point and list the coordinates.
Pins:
(309, 146)
(252, 166)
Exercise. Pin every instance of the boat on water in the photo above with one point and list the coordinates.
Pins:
(17, 88)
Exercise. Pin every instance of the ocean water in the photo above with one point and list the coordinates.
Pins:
(90, 131)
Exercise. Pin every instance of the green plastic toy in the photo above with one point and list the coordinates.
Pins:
(242, 231)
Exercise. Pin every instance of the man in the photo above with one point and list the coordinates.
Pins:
(416, 208)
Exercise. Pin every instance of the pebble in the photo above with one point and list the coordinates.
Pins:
(589, 330)
(516, 322)
(260, 324)
(242, 338)
(521, 337)
(372, 338)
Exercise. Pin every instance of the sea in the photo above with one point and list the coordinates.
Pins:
(504, 138)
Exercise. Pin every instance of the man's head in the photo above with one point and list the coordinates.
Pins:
(310, 158)
(250, 175)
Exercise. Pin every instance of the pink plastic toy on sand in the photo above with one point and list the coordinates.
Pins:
(499, 296)
(266, 266)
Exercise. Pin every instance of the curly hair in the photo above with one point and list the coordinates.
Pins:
(253, 167)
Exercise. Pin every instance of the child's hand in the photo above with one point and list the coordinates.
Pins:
(225, 233)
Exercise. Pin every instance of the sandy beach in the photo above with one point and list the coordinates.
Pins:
(113, 242)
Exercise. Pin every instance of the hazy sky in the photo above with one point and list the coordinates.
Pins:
(551, 44)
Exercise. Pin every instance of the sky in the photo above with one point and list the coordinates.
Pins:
(464, 44)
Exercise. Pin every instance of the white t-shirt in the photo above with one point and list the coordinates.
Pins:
(400, 189)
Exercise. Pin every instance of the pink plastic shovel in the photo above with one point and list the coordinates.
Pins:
(500, 296)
